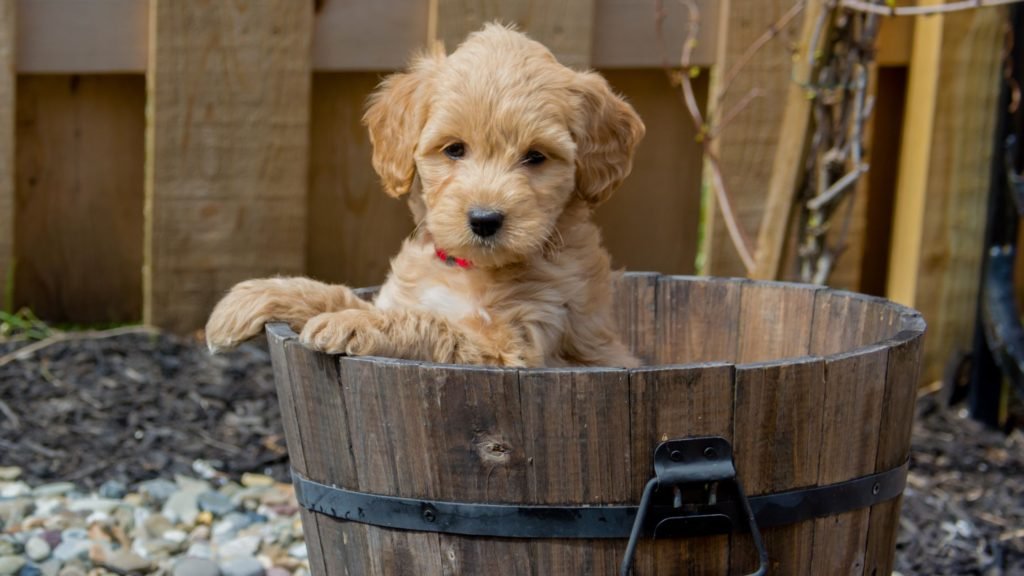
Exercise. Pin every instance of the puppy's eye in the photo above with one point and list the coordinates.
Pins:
(533, 158)
(455, 150)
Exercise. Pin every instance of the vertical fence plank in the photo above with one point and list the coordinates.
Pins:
(227, 147)
(80, 181)
(564, 26)
(945, 172)
(8, 83)
(354, 227)
(676, 402)
(661, 196)
(788, 162)
(747, 146)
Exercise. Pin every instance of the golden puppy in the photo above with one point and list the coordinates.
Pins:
(513, 151)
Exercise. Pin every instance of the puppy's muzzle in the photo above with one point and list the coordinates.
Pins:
(485, 223)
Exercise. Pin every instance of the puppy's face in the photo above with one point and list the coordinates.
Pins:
(503, 138)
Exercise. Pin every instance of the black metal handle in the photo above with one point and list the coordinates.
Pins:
(704, 461)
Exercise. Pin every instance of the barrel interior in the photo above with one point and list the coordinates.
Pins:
(685, 319)
(811, 387)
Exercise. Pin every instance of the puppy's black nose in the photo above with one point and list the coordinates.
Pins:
(485, 223)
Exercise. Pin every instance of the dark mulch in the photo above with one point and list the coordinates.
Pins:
(136, 407)
(963, 509)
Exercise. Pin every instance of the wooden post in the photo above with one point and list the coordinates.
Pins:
(918, 129)
(8, 83)
(227, 150)
(944, 175)
(788, 164)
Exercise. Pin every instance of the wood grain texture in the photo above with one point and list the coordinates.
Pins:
(844, 321)
(677, 402)
(8, 93)
(579, 452)
(777, 433)
(359, 36)
(565, 26)
(662, 194)
(278, 337)
(227, 143)
(895, 36)
(851, 415)
(957, 184)
(747, 146)
(902, 376)
(915, 158)
(71, 36)
(698, 320)
(788, 160)
(393, 453)
(625, 33)
(635, 301)
(775, 321)
(478, 441)
(322, 423)
(94, 37)
(354, 228)
(79, 209)
(586, 435)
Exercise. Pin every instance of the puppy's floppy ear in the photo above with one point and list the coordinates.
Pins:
(606, 130)
(395, 115)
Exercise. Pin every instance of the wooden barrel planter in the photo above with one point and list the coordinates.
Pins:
(428, 469)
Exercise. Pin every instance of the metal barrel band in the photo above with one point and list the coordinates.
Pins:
(526, 521)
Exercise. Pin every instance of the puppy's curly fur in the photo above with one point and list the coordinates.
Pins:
(498, 126)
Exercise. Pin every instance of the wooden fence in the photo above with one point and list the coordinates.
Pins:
(152, 153)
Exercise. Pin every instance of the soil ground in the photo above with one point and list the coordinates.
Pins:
(141, 406)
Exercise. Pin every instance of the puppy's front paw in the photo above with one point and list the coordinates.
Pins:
(241, 314)
(353, 332)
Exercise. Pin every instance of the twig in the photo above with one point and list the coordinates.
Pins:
(870, 8)
(837, 188)
(751, 50)
(732, 113)
(739, 239)
(210, 440)
(692, 30)
(27, 351)
(15, 421)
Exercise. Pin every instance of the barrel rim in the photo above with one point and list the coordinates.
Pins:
(912, 326)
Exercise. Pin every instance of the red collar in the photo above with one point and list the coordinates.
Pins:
(452, 260)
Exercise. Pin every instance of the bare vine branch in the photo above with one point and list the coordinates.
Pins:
(868, 7)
